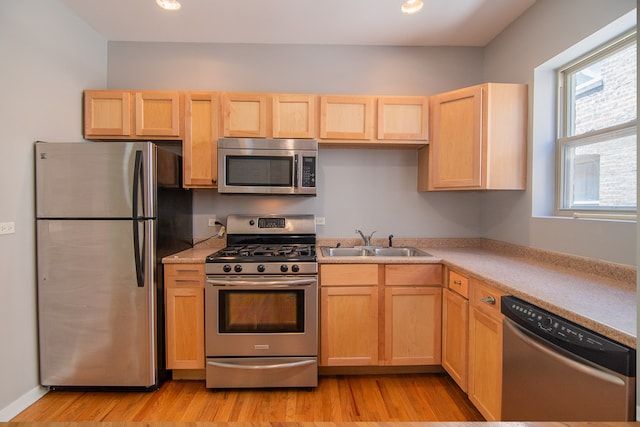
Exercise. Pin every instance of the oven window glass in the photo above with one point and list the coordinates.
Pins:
(251, 311)
(260, 171)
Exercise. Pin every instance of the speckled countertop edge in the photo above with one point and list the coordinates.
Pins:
(598, 295)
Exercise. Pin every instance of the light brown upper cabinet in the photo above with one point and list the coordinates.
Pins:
(294, 115)
(117, 114)
(200, 144)
(158, 114)
(244, 114)
(347, 117)
(403, 117)
(107, 113)
(478, 140)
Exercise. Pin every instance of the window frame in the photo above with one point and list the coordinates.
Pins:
(564, 121)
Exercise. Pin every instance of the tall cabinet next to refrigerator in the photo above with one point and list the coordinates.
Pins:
(106, 214)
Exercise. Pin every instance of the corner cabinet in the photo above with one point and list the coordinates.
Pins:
(380, 314)
(184, 315)
(485, 350)
(200, 144)
(115, 114)
(478, 140)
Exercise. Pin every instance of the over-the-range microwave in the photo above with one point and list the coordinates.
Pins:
(267, 166)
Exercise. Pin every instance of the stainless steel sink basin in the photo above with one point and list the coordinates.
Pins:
(373, 251)
(345, 251)
(400, 252)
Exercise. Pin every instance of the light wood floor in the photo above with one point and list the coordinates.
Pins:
(415, 397)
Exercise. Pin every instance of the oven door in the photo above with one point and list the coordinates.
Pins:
(261, 316)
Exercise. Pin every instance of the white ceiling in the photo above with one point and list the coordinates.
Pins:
(342, 22)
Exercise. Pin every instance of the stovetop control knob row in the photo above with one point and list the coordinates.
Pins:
(227, 268)
(295, 268)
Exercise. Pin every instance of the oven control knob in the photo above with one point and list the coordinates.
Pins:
(237, 268)
(284, 268)
(261, 268)
(295, 268)
(226, 268)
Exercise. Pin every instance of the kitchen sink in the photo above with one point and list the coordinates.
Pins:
(400, 252)
(373, 251)
(345, 251)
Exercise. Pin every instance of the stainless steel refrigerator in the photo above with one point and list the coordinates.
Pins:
(106, 214)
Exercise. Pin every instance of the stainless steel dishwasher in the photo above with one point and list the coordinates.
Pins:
(556, 370)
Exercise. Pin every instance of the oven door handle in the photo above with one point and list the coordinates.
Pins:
(276, 283)
(263, 367)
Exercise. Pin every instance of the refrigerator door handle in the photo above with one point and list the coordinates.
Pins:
(137, 253)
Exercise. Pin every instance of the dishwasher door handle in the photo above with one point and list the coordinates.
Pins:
(542, 346)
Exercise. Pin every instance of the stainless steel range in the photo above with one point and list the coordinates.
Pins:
(261, 304)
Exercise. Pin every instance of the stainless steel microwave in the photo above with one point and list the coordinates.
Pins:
(267, 166)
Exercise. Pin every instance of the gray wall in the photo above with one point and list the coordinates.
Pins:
(48, 58)
(366, 189)
(513, 56)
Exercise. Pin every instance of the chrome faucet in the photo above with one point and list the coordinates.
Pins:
(366, 239)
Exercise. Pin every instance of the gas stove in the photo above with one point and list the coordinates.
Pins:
(266, 245)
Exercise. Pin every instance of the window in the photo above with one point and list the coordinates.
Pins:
(597, 131)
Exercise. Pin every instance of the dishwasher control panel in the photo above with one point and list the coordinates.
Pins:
(564, 333)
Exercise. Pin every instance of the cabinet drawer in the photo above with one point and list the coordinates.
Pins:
(485, 298)
(348, 274)
(459, 284)
(180, 275)
(415, 274)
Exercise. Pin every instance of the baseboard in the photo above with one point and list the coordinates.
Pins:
(22, 403)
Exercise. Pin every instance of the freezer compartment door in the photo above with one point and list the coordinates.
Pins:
(96, 321)
(95, 179)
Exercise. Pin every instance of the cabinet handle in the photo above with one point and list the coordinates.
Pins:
(187, 281)
(489, 300)
(457, 282)
(187, 271)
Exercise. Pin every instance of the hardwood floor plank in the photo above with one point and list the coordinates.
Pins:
(362, 399)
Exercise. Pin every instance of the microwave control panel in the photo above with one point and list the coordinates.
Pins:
(308, 171)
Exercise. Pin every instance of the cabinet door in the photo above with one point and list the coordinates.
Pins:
(200, 145)
(485, 350)
(456, 145)
(349, 326)
(184, 315)
(107, 113)
(294, 116)
(158, 114)
(403, 117)
(346, 117)
(245, 115)
(185, 328)
(412, 325)
(455, 327)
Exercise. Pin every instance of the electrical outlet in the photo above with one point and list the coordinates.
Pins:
(7, 227)
(212, 221)
(320, 220)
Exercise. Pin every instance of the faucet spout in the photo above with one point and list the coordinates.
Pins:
(366, 239)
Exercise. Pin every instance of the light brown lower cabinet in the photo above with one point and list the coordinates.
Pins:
(377, 314)
(485, 350)
(184, 315)
(455, 336)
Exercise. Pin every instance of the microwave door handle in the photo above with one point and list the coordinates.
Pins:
(295, 171)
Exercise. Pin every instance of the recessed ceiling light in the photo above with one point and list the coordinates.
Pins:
(168, 4)
(411, 6)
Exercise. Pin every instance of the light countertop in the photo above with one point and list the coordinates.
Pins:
(598, 295)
